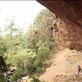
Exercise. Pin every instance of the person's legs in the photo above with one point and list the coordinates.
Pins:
(78, 72)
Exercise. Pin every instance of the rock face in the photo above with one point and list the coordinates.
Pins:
(70, 35)
(69, 15)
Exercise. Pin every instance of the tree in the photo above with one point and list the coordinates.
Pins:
(39, 38)
(28, 53)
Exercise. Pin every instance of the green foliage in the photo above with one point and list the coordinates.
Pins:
(35, 80)
(16, 75)
(28, 53)
(2, 46)
(39, 39)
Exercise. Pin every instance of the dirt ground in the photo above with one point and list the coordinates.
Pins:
(63, 67)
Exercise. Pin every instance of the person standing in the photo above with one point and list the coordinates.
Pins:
(79, 70)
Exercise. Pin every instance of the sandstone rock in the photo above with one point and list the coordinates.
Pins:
(69, 13)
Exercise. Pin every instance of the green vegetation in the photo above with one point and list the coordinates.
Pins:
(35, 80)
(28, 53)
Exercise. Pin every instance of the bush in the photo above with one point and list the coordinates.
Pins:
(35, 80)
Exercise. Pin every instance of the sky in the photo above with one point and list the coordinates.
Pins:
(22, 12)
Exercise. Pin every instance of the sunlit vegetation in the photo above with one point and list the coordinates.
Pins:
(28, 53)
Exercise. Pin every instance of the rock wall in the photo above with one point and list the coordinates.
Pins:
(70, 35)
(69, 13)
